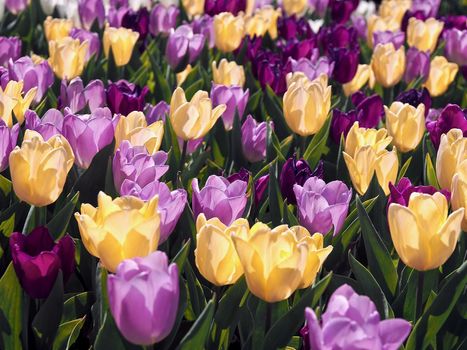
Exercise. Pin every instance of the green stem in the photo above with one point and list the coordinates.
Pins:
(268, 316)
(419, 309)
(183, 156)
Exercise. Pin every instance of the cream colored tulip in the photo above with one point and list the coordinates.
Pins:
(388, 64)
(122, 42)
(459, 191)
(442, 74)
(57, 28)
(295, 7)
(263, 21)
(228, 73)
(394, 9)
(193, 7)
(68, 57)
(424, 34)
(228, 31)
(452, 152)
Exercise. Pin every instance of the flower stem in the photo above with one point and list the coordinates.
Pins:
(183, 156)
(419, 309)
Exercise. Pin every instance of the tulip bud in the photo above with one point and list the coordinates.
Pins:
(228, 73)
(163, 19)
(57, 28)
(124, 97)
(121, 41)
(397, 38)
(67, 57)
(442, 74)
(423, 234)
(361, 78)
(313, 67)
(235, 100)
(119, 229)
(459, 192)
(456, 45)
(424, 34)
(9, 138)
(34, 180)
(183, 47)
(91, 11)
(388, 64)
(452, 152)
(405, 124)
(228, 31)
(418, 64)
(394, 8)
(254, 139)
(10, 48)
(345, 63)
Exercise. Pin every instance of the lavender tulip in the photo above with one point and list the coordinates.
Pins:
(452, 116)
(192, 145)
(163, 19)
(313, 67)
(10, 48)
(33, 75)
(219, 198)
(234, 98)
(143, 298)
(456, 46)
(401, 192)
(77, 97)
(254, 139)
(183, 47)
(321, 206)
(115, 15)
(319, 6)
(88, 133)
(457, 22)
(243, 175)
(8, 139)
(351, 321)
(204, 25)
(49, 125)
(415, 97)
(94, 47)
(124, 97)
(418, 64)
(16, 6)
(396, 38)
(158, 112)
(428, 7)
(91, 11)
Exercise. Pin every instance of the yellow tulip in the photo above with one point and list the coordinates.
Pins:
(228, 31)
(423, 234)
(39, 168)
(394, 9)
(307, 104)
(274, 261)
(361, 77)
(380, 24)
(442, 74)
(452, 152)
(215, 254)
(228, 73)
(388, 64)
(135, 129)
(183, 74)
(68, 57)
(119, 229)
(12, 100)
(193, 120)
(7, 104)
(295, 7)
(405, 124)
(122, 42)
(459, 192)
(263, 21)
(193, 7)
(424, 34)
(57, 28)
(365, 154)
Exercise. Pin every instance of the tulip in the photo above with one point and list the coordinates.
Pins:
(264, 21)
(401, 192)
(193, 7)
(456, 46)
(11, 99)
(215, 255)
(359, 324)
(342, 9)
(121, 41)
(452, 152)
(228, 31)
(418, 64)
(115, 15)
(16, 6)
(228, 73)
(91, 11)
(158, 112)
(415, 97)
(183, 47)
(459, 192)
(405, 124)
(381, 24)
(294, 7)
(119, 229)
(124, 97)
(92, 38)
(423, 234)
(345, 64)
(260, 187)
(313, 67)
(424, 34)
(56, 29)
(37, 260)
(269, 69)
(138, 21)
(319, 6)
(205, 25)
(10, 48)
(394, 8)
(428, 7)
(322, 206)
(163, 19)
(68, 57)
(135, 129)
(361, 77)
(34, 180)
(214, 7)
(307, 104)
(143, 298)
(49, 125)
(365, 153)
(452, 116)
(9, 138)
(254, 139)
(396, 38)
(388, 64)
(76, 97)
(337, 36)
(193, 120)
(7, 103)
(442, 74)
(235, 100)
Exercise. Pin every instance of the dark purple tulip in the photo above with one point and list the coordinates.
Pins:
(293, 172)
(234, 98)
(345, 64)
(94, 47)
(293, 28)
(49, 125)
(183, 47)
(297, 49)
(124, 97)
(91, 11)
(214, 7)
(260, 187)
(163, 19)
(37, 260)
(319, 6)
(396, 38)
(400, 193)
(204, 25)
(341, 123)
(76, 96)
(342, 9)
(10, 48)
(458, 22)
(337, 36)
(4, 77)
(8, 139)
(313, 68)
(405, 20)
(456, 46)
(242, 175)
(428, 7)
(137, 21)
(157, 112)
(452, 116)
(16, 6)
(415, 97)
(418, 64)
(253, 47)
(270, 70)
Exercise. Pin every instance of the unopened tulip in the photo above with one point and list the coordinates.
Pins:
(183, 47)
(365, 154)
(388, 64)
(48, 126)
(459, 192)
(9, 138)
(235, 100)
(263, 21)
(228, 73)
(193, 120)
(405, 124)
(361, 78)
(10, 48)
(424, 34)
(124, 97)
(442, 74)
(143, 298)
(158, 112)
(122, 42)
(456, 45)
(452, 152)
(76, 96)
(418, 64)
(423, 234)
(450, 117)
(345, 63)
(91, 11)
(215, 255)
(12, 100)
(34, 180)
(57, 28)
(163, 19)
(138, 21)
(254, 139)
(397, 38)
(380, 24)
(67, 57)
(193, 7)
(294, 7)
(313, 67)
(119, 229)
(307, 104)
(228, 31)
(92, 38)
(135, 129)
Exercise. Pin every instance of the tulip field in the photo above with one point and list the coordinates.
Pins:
(233, 174)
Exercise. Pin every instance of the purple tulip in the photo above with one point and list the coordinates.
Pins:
(269, 69)
(183, 47)
(115, 15)
(163, 19)
(293, 172)
(260, 187)
(243, 175)
(359, 23)
(370, 109)
(33, 75)
(157, 112)
(91, 11)
(219, 198)
(214, 7)
(415, 97)
(294, 28)
(428, 7)
(49, 125)
(137, 21)
(313, 67)
(351, 321)
(37, 260)
(10, 48)
(457, 22)
(456, 46)
(8, 139)
(254, 139)
(124, 97)
(409, 14)
(192, 145)
(234, 98)
(297, 49)
(342, 9)
(4, 77)
(16, 6)
(89, 133)
(345, 64)
(319, 6)
(337, 36)
(204, 25)
(452, 116)
(253, 47)
(418, 64)
(91, 37)
(396, 38)
(143, 298)
(77, 97)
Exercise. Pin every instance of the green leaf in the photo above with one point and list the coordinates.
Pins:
(181, 256)
(199, 331)
(317, 146)
(59, 223)
(195, 87)
(430, 173)
(273, 106)
(404, 169)
(77, 306)
(276, 202)
(11, 310)
(195, 291)
(229, 305)
(109, 337)
(67, 334)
